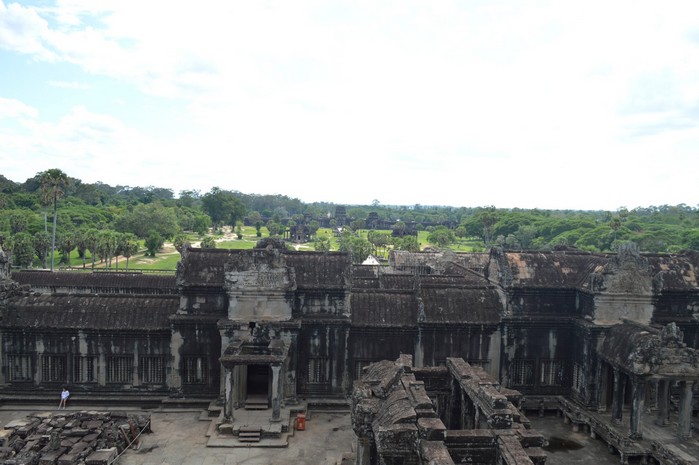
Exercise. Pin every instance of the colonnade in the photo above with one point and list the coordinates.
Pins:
(638, 394)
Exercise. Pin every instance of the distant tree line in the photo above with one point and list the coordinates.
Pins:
(53, 212)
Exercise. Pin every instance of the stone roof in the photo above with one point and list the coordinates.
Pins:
(99, 280)
(105, 312)
(643, 350)
(313, 270)
(383, 308)
(206, 267)
(402, 259)
(575, 269)
(558, 269)
(444, 300)
(675, 272)
(461, 305)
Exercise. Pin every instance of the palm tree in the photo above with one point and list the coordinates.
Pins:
(129, 247)
(53, 182)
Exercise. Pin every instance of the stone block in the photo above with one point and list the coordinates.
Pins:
(51, 457)
(102, 457)
(5, 435)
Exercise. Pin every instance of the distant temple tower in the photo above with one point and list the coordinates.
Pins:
(340, 215)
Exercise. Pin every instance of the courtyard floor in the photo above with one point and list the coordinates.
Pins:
(180, 438)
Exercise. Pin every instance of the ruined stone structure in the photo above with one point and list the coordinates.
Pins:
(440, 416)
(92, 438)
(571, 330)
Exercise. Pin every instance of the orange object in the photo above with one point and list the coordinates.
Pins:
(300, 421)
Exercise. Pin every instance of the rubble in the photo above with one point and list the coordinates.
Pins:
(68, 438)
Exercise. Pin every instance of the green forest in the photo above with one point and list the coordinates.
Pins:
(116, 227)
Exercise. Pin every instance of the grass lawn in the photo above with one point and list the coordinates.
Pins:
(168, 257)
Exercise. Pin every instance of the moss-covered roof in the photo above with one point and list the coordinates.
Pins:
(105, 312)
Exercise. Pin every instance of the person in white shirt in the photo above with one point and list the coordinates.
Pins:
(64, 398)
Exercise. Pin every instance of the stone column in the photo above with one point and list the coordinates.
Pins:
(618, 397)
(603, 381)
(363, 456)
(276, 393)
(663, 399)
(684, 420)
(229, 397)
(464, 412)
(638, 386)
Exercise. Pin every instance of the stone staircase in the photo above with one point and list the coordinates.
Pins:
(250, 434)
(256, 403)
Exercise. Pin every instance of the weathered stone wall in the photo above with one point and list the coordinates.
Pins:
(319, 302)
(56, 356)
(203, 303)
(322, 352)
(535, 356)
(195, 350)
(472, 343)
(542, 302)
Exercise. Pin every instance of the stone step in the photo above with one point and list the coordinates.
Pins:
(250, 429)
(256, 406)
(249, 434)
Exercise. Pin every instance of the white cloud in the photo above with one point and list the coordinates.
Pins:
(436, 99)
(11, 108)
(69, 85)
(23, 30)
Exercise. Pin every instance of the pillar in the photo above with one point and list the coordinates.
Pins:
(638, 386)
(363, 456)
(618, 396)
(276, 393)
(229, 394)
(663, 401)
(603, 382)
(684, 420)
(463, 411)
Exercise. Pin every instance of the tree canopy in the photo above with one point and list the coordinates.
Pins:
(94, 217)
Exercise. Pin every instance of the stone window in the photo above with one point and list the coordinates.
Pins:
(317, 370)
(522, 372)
(120, 369)
(152, 370)
(53, 368)
(195, 370)
(85, 369)
(19, 367)
(551, 373)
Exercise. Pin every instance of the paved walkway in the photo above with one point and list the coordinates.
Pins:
(179, 438)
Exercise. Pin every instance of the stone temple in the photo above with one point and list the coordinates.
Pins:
(440, 356)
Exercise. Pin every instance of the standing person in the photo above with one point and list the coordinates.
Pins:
(64, 398)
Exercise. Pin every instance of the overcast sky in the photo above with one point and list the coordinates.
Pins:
(561, 104)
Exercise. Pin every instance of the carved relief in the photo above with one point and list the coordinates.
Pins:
(626, 273)
(259, 285)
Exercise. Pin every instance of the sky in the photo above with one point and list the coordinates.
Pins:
(529, 104)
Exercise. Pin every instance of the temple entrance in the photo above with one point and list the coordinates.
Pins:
(255, 375)
(258, 387)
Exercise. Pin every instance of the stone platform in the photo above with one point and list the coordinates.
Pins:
(273, 433)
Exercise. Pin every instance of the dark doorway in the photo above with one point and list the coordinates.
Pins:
(258, 382)
(610, 388)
